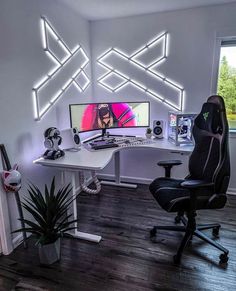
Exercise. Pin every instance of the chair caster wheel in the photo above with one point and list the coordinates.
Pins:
(177, 219)
(153, 232)
(176, 260)
(215, 231)
(223, 258)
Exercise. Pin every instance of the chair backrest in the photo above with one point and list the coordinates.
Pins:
(209, 160)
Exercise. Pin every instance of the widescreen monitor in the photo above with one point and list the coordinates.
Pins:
(93, 116)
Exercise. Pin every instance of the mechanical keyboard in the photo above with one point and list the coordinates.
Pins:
(118, 142)
(104, 146)
(133, 141)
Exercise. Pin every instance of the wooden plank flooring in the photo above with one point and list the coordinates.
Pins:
(126, 259)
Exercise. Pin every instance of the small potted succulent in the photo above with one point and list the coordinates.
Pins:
(148, 132)
(50, 219)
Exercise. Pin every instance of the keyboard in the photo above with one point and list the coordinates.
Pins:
(118, 142)
(103, 145)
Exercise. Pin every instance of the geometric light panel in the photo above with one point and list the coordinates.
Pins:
(49, 35)
(150, 68)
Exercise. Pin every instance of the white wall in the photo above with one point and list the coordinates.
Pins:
(22, 63)
(190, 60)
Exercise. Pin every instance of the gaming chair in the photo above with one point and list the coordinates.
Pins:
(206, 185)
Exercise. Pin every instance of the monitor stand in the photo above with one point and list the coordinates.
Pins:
(105, 135)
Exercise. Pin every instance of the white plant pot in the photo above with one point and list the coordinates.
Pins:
(50, 253)
(148, 135)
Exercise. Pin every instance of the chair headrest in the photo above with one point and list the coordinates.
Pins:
(209, 118)
(216, 99)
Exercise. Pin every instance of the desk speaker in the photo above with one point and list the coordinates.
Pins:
(70, 138)
(158, 128)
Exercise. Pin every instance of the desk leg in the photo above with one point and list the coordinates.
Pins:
(117, 181)
(76, 233)
(63, 179)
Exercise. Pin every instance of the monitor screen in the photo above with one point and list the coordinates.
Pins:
(94, 116)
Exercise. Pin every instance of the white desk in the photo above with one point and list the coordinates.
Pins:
(97, 160)
(84, 160)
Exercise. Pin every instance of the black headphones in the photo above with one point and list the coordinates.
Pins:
(49, 134)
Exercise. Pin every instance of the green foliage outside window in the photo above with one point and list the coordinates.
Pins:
(227, 89)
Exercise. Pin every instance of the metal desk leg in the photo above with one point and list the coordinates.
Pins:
(76, 233)
(117, 181)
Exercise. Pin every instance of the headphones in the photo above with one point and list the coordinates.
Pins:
(51, 134)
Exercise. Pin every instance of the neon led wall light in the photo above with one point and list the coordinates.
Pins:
(47, 29)
(133, 59)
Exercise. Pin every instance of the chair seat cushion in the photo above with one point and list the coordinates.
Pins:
(172, 197)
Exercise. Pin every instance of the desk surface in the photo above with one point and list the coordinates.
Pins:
(97, 160)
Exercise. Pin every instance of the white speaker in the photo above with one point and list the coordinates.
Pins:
(70, 139)
(158, 128)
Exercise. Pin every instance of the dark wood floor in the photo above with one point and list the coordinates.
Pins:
(126, 259)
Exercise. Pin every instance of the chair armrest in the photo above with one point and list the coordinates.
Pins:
(196, 184)
(169, 163)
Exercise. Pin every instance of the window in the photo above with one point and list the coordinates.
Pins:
(226, 85)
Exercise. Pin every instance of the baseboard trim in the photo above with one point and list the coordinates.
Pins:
(17, 240)
(146, 181)
(231, 191)
(126, 179)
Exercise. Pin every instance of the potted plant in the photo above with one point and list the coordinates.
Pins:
(50, 219)
(148, 132)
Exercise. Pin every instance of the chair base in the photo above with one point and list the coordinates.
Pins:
(190, 229)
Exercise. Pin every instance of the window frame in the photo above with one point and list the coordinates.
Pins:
(220, 38)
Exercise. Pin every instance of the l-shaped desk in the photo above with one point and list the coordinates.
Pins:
(75, 162)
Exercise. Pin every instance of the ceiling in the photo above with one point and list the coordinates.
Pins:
(104, 9)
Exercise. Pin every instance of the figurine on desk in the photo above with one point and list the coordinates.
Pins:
(51, 143)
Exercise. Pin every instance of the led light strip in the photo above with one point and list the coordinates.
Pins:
(59, 65)
(149, 69)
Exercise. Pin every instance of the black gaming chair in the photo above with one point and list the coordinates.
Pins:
(206, 185)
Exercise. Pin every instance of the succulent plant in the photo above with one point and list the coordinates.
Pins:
(148, 130)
